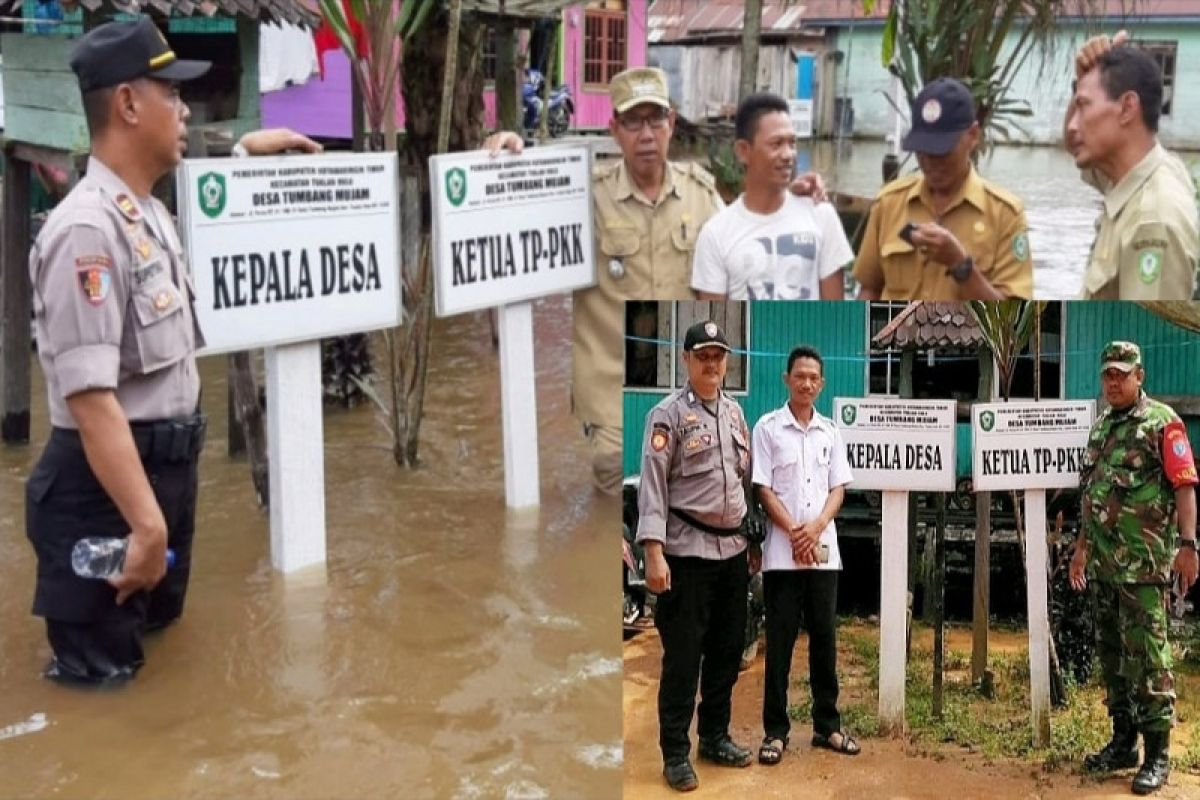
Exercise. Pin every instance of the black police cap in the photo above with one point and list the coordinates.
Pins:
(117, 52)
(704, 334)
(940, 114)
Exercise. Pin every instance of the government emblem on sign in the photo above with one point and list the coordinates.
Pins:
(456, 186)
(987, 420)
(212, 193)
(849, 414)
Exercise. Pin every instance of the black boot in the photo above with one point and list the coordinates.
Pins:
(1120, 753)
(1157, 765)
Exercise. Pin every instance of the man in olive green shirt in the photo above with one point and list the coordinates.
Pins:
(1147, 244)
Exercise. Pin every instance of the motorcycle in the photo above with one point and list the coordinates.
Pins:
(560, 104)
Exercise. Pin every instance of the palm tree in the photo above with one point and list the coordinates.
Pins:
(983, 43)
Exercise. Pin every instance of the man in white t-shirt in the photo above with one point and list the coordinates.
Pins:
(770, 244)
(800, 472)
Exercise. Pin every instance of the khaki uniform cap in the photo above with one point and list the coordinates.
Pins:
(639, 85)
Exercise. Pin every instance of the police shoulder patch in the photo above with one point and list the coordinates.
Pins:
(95, 279)
(659, 440)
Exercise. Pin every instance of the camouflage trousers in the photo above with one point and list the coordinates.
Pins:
(1135, 658)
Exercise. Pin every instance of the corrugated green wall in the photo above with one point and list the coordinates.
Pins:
(837, 330)
(1171, 354)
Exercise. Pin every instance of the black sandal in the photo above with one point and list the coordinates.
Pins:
(847, 746)
(769, 752)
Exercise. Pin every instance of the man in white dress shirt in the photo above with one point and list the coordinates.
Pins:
(800, 472)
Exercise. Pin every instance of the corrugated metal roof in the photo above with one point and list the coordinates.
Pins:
(297, 12)
(675, 20)
(930, 324)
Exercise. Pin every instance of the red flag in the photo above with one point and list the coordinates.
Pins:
(326, 39)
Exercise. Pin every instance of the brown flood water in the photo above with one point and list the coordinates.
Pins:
(449, 648)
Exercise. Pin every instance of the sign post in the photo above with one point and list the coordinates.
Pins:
(507, 230)
(896, 446)
(1032, 446)
(285, 251)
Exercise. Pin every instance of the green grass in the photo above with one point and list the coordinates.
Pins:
(997, 729)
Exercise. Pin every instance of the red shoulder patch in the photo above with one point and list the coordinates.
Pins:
(1178, 462)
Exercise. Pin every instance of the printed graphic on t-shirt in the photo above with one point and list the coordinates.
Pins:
(788, 270)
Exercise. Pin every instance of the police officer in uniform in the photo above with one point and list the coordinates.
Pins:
(116, 332)
(692, 502)
(1147, 244)
(1138, 524)
(945, 234)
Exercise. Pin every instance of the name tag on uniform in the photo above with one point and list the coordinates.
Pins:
(146, 273)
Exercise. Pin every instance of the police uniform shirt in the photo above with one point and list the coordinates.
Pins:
(643, 252)
(988, 221)
(1147, 245)
(801, 464)
(113, 302)
(695, 460)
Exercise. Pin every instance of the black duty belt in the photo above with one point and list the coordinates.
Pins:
(170, 440)
(700, 526)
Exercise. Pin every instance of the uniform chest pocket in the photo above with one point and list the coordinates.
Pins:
(619, 259)
(683, 236)
(699, 454)
(161, 329)
(901, 269)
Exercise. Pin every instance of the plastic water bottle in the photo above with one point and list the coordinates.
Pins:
(102, 557)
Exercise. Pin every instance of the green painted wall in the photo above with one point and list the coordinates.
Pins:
(839, 332)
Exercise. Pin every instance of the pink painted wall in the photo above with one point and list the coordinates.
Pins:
(322, 107)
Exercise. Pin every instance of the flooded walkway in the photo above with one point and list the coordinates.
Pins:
(450, 648)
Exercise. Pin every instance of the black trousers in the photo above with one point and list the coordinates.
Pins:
(94, 639)
(791, 596)
(701, 621)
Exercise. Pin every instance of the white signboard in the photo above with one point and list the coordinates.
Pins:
(510, 228)
(801, 112)
(291, 248)
(898, 445)
(1029, 445)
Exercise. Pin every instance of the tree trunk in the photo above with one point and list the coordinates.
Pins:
(751, 31)
(423, 75)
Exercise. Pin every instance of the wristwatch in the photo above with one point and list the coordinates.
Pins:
(238, 151)
(962, 270)
(1182, 542)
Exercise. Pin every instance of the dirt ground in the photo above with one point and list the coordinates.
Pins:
(887, 769)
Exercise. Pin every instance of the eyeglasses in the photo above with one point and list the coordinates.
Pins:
(657, 120)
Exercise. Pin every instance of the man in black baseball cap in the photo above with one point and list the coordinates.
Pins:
(120, 52)
(945, 234)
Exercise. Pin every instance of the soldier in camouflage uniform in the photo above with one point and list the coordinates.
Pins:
(1138, 522)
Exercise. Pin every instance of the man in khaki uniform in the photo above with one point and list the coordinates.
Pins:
(1147, 245)
(113, 306)
(946, 234)
(648, 213)
(691, 504)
